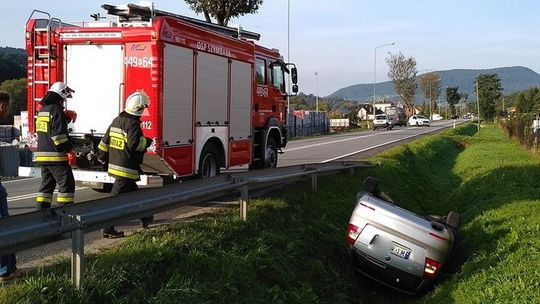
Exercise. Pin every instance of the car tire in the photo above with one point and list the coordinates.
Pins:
(453, 220)
(417, 124)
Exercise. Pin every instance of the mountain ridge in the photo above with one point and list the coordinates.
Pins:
(513, 79)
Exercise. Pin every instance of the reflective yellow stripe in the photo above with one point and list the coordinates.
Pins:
(60, 141)
(123, 174)
(51, 158)
(117, 135)
(142, 144)
(65, 199)
(40, 199)
(103, 147)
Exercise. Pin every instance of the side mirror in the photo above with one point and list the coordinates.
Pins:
(294, 75)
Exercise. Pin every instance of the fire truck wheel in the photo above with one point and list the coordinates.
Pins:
(270, 154)
(208, 163)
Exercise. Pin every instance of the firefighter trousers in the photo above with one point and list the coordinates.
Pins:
(50, 176)
(124, 185)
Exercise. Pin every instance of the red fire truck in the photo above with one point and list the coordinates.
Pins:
(217, 99)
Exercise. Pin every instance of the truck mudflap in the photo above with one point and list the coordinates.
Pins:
(95, 178)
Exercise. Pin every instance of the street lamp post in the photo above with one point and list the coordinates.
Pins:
(375, 74)
(288, 53)
(317, 91)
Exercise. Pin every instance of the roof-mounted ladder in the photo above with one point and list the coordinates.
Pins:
(130, 11)
(41, 54)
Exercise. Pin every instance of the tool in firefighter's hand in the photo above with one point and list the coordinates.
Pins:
(152, 146)
(72, 158)
(71, 115)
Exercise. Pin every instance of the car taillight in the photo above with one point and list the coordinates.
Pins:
(352, 233)
(431, 268)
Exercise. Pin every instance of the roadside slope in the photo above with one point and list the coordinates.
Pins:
(292, 248)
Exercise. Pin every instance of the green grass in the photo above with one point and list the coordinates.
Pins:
(292, 248)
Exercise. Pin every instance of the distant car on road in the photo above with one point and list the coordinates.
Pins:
(419, 120)
(395, 246)
(382, 121)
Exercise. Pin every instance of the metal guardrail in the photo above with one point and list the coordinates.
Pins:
(32, 229)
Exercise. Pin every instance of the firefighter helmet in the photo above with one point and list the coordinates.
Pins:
(136, 103)
(61, 89)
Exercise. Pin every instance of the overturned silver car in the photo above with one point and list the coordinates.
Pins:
(395, 246)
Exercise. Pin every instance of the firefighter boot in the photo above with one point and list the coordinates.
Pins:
(41, 206)
(147, 220)
(111, 233)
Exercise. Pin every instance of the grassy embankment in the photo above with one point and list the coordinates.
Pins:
(292, 249)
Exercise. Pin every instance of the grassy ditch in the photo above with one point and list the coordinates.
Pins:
(292, 248)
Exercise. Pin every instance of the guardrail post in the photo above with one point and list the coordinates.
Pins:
(77, 255)
(314, 182)
(244, 199)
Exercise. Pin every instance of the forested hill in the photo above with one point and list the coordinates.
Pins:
(513, 79)
(12, 63)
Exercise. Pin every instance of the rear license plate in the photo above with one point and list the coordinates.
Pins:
(400, 251)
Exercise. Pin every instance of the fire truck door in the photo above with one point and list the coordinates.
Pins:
(96, 73)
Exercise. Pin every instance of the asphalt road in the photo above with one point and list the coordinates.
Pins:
(346, 146)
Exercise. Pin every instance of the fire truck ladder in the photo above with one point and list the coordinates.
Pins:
(41, 54)
(146, 13)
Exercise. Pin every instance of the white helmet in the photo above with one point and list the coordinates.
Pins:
(136, 103)
(61, 89)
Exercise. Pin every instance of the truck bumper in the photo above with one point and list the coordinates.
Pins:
(95, 178)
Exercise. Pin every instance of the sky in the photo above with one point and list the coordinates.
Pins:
(338, 39)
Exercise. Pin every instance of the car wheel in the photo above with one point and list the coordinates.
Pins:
(453, 219)
(417, 124)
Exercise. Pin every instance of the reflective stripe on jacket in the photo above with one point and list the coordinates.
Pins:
(126, 145)
(53, 137)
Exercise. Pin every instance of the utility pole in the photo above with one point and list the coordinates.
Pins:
(375, 75)
(478, 103)
(288, 54)
(317, 90)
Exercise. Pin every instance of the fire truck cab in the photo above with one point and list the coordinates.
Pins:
(217, 99)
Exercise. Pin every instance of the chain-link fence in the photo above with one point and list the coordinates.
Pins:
(307, 123)
(525, 128)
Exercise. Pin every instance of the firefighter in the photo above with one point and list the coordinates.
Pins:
(55, 151)
(123, 146)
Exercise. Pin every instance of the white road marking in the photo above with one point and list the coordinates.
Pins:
(33, 195)
(20, 180)
(336, 141)
(380, 145)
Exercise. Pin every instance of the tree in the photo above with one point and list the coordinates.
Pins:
(16, 88)
(489, 94)
(452, 98)
(430, 85)
(403, 74)
(528, 101)
(224, 10)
